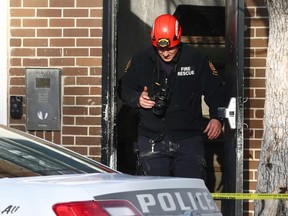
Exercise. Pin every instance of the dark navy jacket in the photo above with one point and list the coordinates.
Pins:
(192, 77)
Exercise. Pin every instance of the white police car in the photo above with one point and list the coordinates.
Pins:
(38, 178)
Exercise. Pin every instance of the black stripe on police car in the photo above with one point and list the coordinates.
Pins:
(168, 201)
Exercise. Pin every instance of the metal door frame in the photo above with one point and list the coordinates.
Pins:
(109, 83)
(234, 70)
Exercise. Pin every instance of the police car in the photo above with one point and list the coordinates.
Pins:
(39, 178)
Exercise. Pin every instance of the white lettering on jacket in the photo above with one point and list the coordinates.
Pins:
(185, 71)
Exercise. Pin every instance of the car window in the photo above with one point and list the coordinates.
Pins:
(29, 157)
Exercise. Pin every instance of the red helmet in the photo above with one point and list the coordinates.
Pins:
(166, 31)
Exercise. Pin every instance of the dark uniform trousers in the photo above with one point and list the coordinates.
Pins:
(183, 158)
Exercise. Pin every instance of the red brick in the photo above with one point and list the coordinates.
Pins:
(68, 140)
(15, 22)
(76, 90)
(76, 130)
(75, 12)
(96, 52)
(68, 101)
(69, 81)
(75, 32)
(15, 3)
(17, 90)
(76, 52)
(22, 52)
(96, 12)
(22, 33)
(33, 3)
(89, 42)
(94, 150)
(22, 12)
(95, 131)
(49, 13)
(88, 81)
(68, 120)
(95, 110)
(95, 71)
(96, 90)
(17, 81)
(15, 61)
(75, 71)
(62, 3)
(87, 141)
(62, 42)
(28, 62)
(89, 61)
(95, 32)
(88, 100)
(62, 22)
(35, 42)
(89, 3)
(49, 52)
(35, 22)
(62, 62)
(16, 72)
(49, 33)
(89, 23)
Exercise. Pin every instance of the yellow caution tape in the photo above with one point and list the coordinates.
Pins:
(248, 196)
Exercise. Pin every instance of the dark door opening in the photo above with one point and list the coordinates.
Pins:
(203, 28)
(222, 40)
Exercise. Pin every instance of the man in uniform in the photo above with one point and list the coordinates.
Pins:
(166, 82)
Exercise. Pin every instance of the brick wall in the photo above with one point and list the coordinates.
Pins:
(64, 34)
(68, 34)
(255, 50)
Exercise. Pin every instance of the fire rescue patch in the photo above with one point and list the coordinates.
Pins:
(214, 71)
(127, 66)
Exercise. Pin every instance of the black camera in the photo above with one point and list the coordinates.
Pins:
(161, 97)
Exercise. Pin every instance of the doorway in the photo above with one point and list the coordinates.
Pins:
(203, 27)
(215, 27)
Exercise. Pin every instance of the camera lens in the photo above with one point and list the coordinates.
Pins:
(159, 108)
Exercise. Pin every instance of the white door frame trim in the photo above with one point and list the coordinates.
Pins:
(4, 61)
